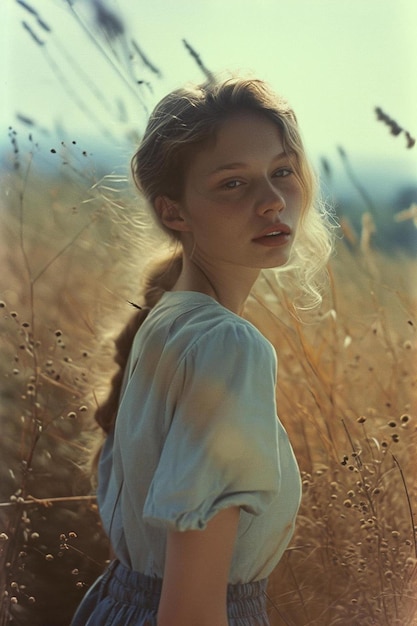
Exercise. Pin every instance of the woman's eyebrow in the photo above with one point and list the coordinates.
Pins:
(239, 164)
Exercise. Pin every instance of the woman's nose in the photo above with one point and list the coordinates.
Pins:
(270, 199)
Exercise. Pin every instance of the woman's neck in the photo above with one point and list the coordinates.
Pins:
(230, 287)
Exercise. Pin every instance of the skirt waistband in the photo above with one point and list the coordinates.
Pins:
(129, 587)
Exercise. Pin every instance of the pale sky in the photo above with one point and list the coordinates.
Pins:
(334, 60)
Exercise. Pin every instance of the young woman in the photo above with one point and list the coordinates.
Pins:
(198, 484)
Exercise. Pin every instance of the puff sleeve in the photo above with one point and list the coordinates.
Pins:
(221, 445)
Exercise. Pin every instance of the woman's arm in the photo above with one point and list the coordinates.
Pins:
(194, 589)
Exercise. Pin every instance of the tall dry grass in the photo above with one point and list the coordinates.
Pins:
(347, 397)
(65, 274)
(346, 392)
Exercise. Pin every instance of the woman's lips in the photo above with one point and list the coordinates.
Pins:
(274, 235)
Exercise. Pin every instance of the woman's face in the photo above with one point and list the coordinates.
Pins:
(242, 200)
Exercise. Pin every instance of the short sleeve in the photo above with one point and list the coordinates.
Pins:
(221, 448)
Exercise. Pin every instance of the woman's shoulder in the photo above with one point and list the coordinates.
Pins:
(202, 315)
(205, 327)
(193, 328)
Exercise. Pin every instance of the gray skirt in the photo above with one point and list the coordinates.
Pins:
(122, 597)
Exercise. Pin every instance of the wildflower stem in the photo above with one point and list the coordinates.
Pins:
(355, 182)
(48, 501)
(93, 39)
(410, 508)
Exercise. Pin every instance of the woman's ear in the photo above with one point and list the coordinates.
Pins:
(170, 214)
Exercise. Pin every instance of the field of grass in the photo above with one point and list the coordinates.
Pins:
(346, 395)
(73, 246)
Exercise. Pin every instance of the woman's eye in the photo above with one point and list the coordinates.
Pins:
(283, 171)
(232, 184)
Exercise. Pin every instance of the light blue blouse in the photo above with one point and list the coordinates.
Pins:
(196, 432)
